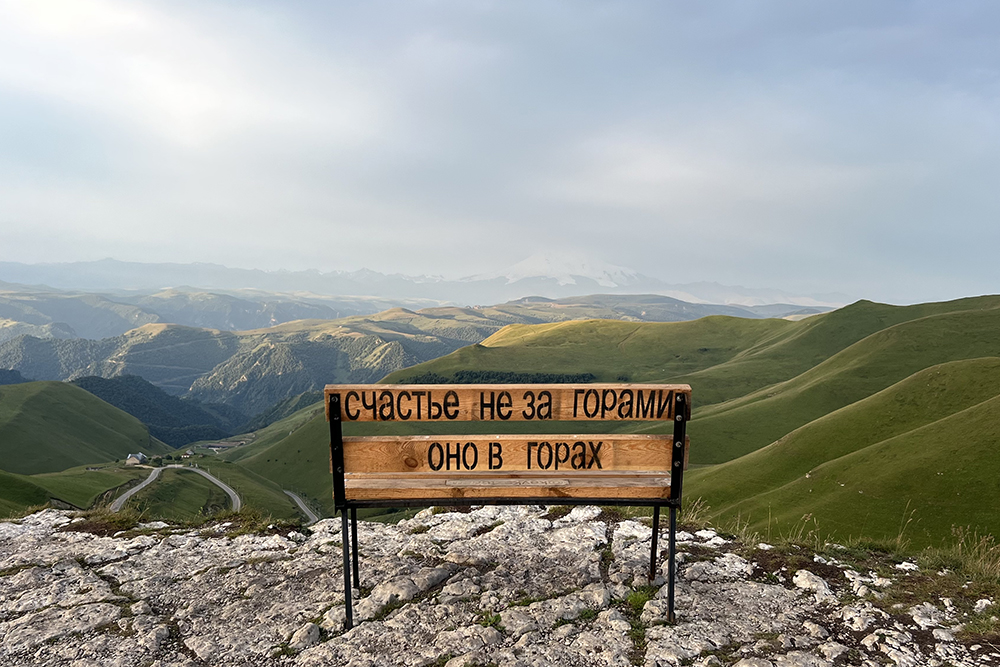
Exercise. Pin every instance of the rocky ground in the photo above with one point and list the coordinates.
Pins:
(494, 586)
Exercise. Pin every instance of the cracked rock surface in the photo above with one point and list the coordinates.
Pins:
(497, 585)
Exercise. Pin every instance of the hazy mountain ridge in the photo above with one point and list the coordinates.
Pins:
(252, 370)
(572, 277)
(55, 313)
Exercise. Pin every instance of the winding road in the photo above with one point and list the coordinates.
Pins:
(310, 515)
(233, 496)
(119, 502)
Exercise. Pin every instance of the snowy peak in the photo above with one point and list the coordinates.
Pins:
(565, 269)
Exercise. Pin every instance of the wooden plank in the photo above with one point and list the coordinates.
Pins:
(565, 454)
(507, 402)
(494, 486)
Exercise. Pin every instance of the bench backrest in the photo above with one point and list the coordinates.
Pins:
(484, 468)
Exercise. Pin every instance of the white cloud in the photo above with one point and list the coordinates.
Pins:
(177, 75)
(770, 140)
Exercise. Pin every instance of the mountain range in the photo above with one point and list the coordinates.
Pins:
(251, 370)
(46, 312)
(552, 276)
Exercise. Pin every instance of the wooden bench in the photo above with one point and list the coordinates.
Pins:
(484, 469)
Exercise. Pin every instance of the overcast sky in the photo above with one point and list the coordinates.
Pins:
(812, 147)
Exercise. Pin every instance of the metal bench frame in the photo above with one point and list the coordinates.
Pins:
(682, 414)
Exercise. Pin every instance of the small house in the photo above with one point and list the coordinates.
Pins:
(136, 459)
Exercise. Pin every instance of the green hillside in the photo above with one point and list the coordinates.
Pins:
(51, 426)
(927, 443)
(257, 492)
(879, 405)
(274, 433)
(180, 495)
(299, 462)
(173, 420)
(810, 342)
(84, 485)
(80, 487)
(754, 380)
(728, 430)
(17, 493)
(723, 357)
(284, 408)
(644, 352)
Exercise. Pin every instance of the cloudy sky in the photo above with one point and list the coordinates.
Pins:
(813, 147)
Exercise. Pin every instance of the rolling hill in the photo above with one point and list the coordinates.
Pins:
(859, 418)
(754, 380)
(927, 445)
(51, 426)
(747, 423)
(18, 493)
(173, 420)
(849, 417)
(83, 486)
(294, 454)
(53, 313)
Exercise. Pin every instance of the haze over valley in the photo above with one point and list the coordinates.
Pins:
(763, 375)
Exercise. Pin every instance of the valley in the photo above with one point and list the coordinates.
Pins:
(869, 420)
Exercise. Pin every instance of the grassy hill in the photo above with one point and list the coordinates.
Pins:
(83, 486)
(744, 424)
(51, 426)
(926, 444)
(644, 352)
(256, 491)
(173, 420)
(17, 493)
(880, 405)
(275, 432)
(754, 380)
(284, 408)
(180, 495)
(80, 487)
(298, 461)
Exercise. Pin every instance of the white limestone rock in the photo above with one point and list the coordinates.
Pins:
(807, 580)
(500, 585)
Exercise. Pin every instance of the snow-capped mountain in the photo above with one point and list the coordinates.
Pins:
(565, 269)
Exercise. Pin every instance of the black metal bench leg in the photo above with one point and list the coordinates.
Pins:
(672, 565)
(344, 537)
(653, 553)
(354, 546)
